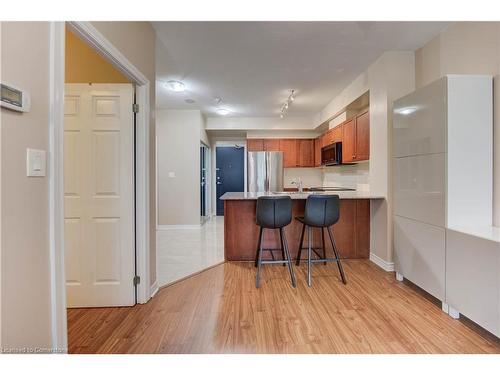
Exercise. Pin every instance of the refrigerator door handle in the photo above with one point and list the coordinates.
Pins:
(266, 178)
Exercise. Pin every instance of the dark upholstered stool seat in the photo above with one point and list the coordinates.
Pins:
(274, 213)
(322, 211)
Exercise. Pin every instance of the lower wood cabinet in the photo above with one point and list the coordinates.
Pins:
(352, 231)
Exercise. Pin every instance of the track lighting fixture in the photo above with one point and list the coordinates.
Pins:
(285, 105)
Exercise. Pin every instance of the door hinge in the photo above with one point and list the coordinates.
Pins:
(137, 280)
(135, 108)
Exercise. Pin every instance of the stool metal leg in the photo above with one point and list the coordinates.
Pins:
(299, 254)
(339, 264)
(288, 257)
(323, 241)
(282, 248)
(309, 251)
(258, 247)
(259, 263)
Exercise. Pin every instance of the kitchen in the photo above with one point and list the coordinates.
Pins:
(345, 149)
(343, 144)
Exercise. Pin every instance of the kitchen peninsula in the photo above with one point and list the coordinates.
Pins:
(352, 231)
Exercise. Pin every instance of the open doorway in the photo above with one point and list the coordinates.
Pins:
(99, 186)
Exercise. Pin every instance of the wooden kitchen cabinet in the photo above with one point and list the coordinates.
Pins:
(363, 136)
(327, 138)
(317, 151)
(337, 134)
(272, 145)
(255, 145)
(356, 139)
(306, 153)
(349, 141)
(332, 136)
(296, 152)
(290, 152)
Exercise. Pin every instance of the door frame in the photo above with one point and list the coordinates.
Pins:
(208, 183)
(213, 184)
(101, 45)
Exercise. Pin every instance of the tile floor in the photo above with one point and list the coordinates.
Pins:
(184, 251)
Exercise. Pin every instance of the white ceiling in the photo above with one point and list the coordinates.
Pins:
(252, 65)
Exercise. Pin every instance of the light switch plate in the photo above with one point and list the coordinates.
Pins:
(171, 174)
(35, 163)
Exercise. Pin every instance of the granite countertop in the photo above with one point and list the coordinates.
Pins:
(295, 195)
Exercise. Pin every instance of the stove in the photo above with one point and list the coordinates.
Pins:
(331, 188)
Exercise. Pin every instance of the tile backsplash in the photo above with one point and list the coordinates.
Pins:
(310, 177)
(353, 176)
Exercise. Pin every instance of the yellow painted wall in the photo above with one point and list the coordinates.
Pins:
(84, 65)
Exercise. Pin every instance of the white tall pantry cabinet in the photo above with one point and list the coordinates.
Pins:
(443, 172)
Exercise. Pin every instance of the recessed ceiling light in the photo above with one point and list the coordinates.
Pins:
(189, 101)
(222, 111)
(406, 110)
(176, 86)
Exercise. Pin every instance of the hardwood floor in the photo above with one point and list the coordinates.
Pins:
(221, 311)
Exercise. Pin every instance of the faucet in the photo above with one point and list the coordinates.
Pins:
(298, 182)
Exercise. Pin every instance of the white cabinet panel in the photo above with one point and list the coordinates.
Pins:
(420, 121)
(473, 278)
(419, 188)
(420, 254)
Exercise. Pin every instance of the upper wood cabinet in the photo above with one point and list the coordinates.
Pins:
(255, 145)
(317, 151)
(356, 139)
(272, 145)
(348, 142)
(296, 152)
(332, 135)
(363, 136)
(306, 153)
(263, 145)
(290, 152)
(337, 133)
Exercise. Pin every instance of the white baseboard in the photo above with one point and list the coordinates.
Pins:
(386, 266)
(154, 289)
(172, 227)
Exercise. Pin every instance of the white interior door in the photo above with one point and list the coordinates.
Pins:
(99, 195)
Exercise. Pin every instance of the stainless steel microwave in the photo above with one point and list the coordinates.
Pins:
(332, 154)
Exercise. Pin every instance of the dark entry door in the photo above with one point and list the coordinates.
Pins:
(229, 172)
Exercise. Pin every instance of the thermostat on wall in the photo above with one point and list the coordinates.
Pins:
(14, 98)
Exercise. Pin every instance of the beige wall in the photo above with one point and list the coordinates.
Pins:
(179, 133)
(84, 65)
(136, 41)
(388, 78)
(467, 48)
(25, 244)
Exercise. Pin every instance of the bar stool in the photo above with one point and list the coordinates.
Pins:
(274, 213)
(322, 211)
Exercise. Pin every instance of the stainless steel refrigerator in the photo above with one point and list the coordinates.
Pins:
(265, 171)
